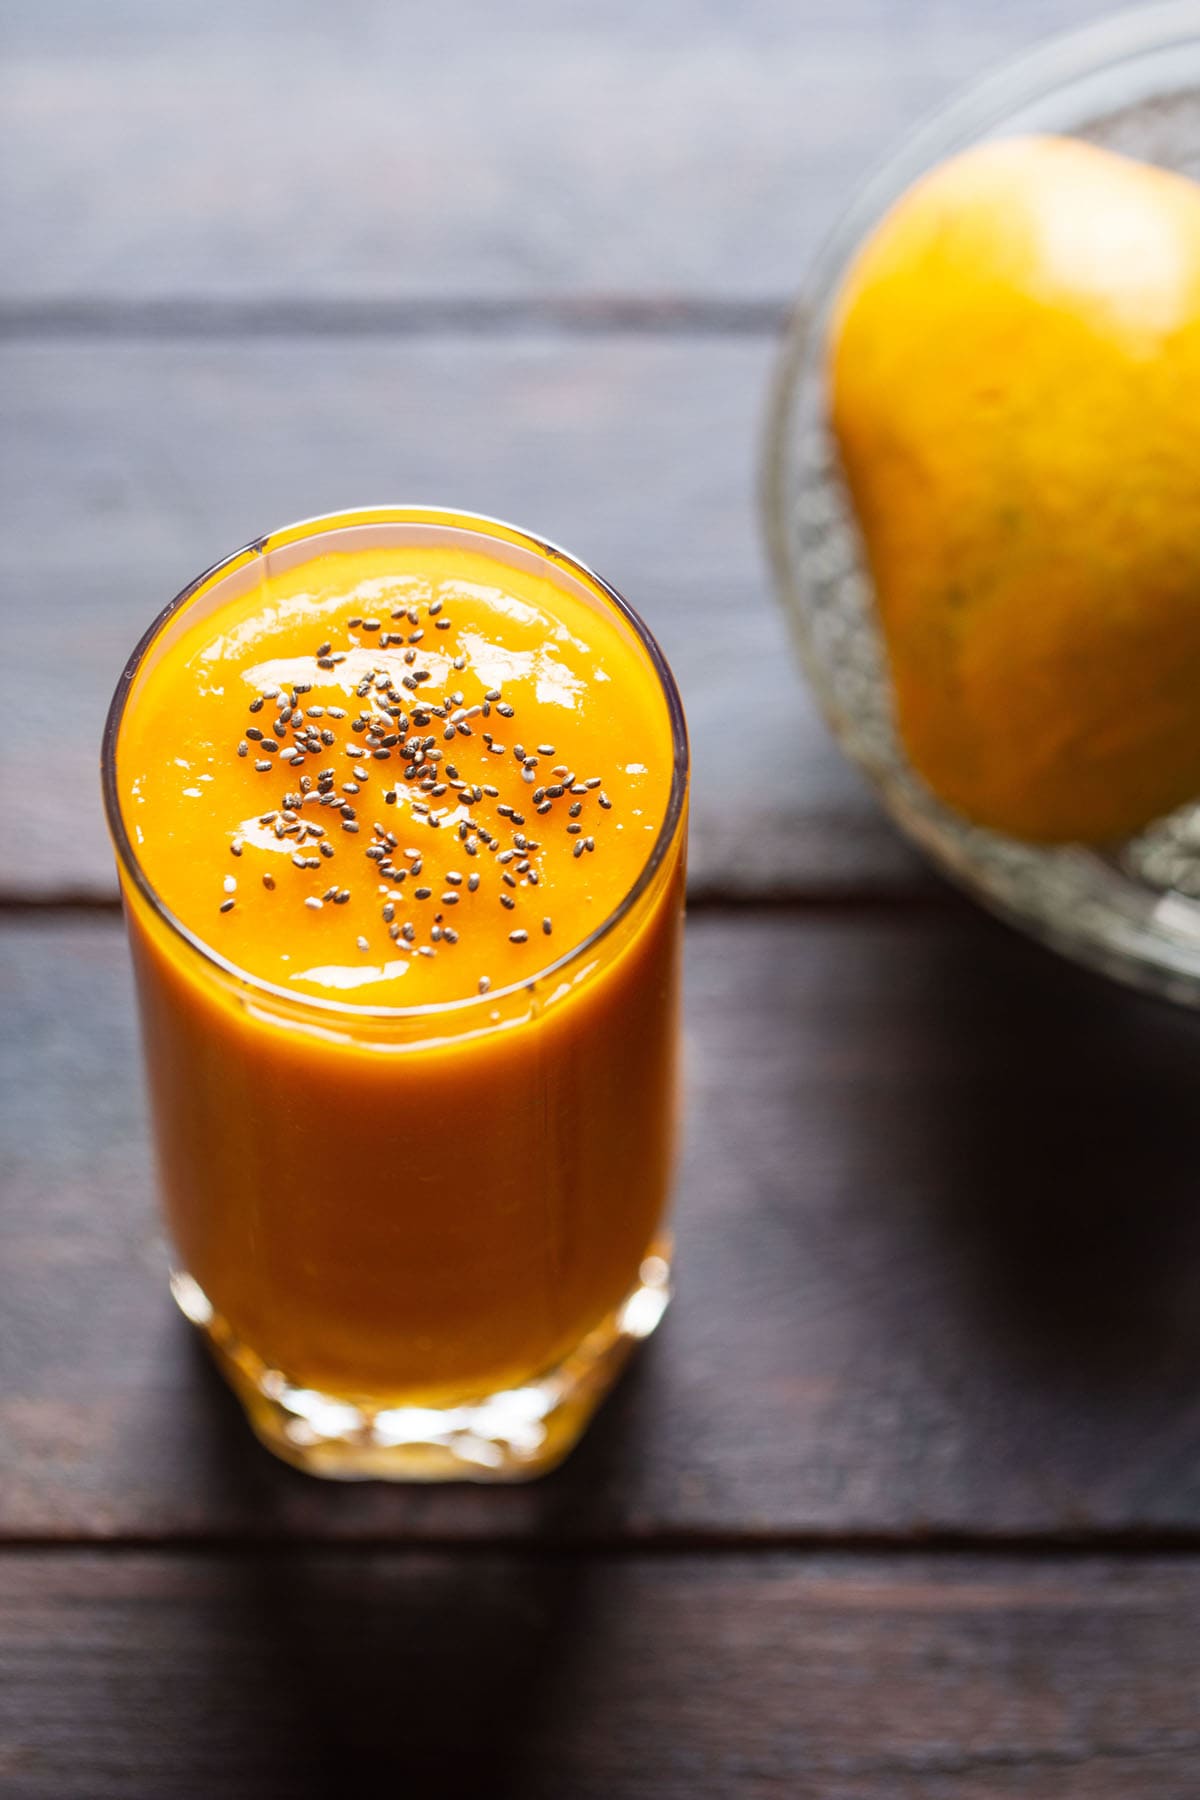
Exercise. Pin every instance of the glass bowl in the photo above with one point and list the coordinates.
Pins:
(1131, 83)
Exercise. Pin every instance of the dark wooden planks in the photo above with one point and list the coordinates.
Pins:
(684, 1678)
(939, 1265)
(237, 149)
(125, 470)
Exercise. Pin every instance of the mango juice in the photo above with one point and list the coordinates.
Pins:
(399, 803)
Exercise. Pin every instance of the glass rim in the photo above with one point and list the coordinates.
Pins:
(490, 529)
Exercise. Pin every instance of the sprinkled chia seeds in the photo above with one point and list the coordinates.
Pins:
(427, 776)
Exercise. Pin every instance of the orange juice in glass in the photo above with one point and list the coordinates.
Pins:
(399, 805)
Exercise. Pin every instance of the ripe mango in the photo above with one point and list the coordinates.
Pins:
(1015, 393)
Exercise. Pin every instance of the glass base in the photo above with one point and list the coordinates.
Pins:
(514, 1435)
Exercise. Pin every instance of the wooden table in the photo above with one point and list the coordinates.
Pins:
(905, 1498)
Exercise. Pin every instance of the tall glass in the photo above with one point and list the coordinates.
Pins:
(420, 1241)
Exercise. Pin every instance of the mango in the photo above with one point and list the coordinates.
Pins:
(1014, 373)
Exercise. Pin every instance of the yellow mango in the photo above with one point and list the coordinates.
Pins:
(1015, 392)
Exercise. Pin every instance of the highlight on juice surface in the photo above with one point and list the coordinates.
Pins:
(399, 803)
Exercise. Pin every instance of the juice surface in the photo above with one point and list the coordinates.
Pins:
(395, 777)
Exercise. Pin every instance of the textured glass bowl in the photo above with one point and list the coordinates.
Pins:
(1131, 83)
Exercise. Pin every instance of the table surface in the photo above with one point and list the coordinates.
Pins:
(904, 1500)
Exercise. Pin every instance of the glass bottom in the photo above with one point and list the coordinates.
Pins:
(513, 1435)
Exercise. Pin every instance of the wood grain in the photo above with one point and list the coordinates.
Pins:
(127, 469)
(236, 147)
(293, 1676)
(939, 1266)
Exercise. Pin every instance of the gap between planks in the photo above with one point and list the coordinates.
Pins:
(1043, 1546)
(272, 315)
